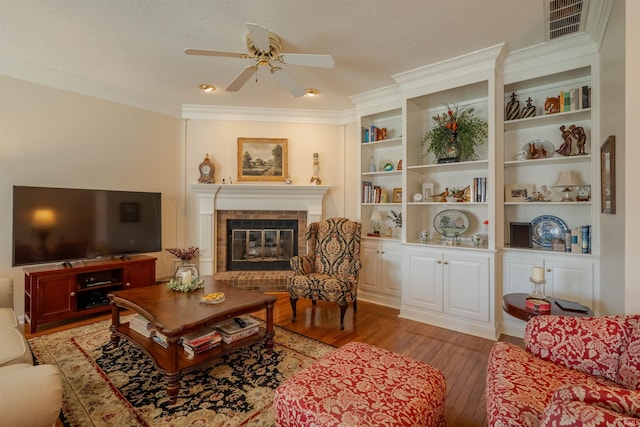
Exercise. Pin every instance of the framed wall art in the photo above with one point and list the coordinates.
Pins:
(518, 192)
(262, 159)
(608, 175)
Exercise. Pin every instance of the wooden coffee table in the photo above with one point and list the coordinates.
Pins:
(177, 313)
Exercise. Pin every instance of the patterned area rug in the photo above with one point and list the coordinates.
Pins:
(107, 385)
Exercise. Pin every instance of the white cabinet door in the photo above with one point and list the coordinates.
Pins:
(466, 285)
(422, 279)
(391, 268)
(370, 272)
(570, 279)
(517, 271)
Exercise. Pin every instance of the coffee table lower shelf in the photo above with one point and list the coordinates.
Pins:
(161, 356)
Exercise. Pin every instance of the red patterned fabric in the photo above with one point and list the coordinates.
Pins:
(567, 376)
(629, 372)
(362, 385)
(520, 385)
(590, 345)
(593, 407)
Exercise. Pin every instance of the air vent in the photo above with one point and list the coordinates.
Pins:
(564, 17)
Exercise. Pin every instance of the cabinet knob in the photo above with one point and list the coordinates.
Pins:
(128, 284)
(73, 294)
(548, 270)
(382, 252)
(438, 262)
(445, 262)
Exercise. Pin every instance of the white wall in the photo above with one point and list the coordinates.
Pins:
(219, 139)
(54, 138)
(612, 120)
(632, 154)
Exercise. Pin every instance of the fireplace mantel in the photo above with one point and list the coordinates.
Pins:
(215, 197)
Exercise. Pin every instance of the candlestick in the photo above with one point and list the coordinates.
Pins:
(537, 274)
(186, 277)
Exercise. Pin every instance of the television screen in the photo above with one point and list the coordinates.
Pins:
(63, 224)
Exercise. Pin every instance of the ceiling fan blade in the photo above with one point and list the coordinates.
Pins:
(214, 53)
(241, 78)
(288, 82)
(259, 36)
(324, 61)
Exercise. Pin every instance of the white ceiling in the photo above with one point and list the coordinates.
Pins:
(133, 49)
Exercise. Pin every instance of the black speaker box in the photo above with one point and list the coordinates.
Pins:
(521, 235)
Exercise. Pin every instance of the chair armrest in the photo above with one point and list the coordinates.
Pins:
(31, 395)
(301, 264)
(607, 405)
(587, 344)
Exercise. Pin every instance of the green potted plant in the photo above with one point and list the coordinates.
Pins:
(455, 135)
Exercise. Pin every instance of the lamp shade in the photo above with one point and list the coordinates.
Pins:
(567, 179)
(376, 216)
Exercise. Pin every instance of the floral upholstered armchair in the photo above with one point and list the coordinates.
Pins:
(329, 270)
(574, 372)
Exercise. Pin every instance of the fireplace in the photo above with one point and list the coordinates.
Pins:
(261, 244)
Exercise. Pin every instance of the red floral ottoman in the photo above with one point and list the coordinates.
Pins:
(362, 385)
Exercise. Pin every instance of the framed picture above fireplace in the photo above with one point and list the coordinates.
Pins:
(262, 159)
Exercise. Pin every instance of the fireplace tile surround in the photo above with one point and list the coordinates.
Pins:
(217, 203)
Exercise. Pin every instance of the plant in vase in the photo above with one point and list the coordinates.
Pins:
(186, 278)
(455, 135)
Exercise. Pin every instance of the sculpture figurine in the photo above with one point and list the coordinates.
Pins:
(537, 153)
(443, 196)
(463, 195)
(581, 138)
(567, 137)
(552, 105)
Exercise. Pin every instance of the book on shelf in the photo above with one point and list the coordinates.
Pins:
(142, 326)
(161, 339)
(191, 352)
(201, 336)
(231, 331)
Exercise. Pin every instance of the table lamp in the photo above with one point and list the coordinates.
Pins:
(376, 217)
(567, 179)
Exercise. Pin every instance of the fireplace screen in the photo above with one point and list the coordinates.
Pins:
(269, 248)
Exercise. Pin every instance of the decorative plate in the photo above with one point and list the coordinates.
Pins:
(542, 149)
(545, 228)
(451, 222)
(213, 298)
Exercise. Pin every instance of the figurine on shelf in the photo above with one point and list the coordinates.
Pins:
(568, 137)
(513, 108)
(529, 110)
(537, 153)
(443, 196)
(463, 195)
(552, 105)
(581, 138)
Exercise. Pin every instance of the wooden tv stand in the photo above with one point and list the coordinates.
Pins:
(57, 292)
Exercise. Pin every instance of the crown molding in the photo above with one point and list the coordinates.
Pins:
(283, 115)
(45, 76)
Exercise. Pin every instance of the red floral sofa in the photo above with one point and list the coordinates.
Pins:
(574, 371)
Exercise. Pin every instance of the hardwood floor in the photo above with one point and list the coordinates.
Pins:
(462, 358)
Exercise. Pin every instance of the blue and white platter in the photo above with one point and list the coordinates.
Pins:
(545, 228)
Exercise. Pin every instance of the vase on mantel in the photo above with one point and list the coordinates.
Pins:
(186, 273)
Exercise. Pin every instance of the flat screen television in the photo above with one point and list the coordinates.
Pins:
(64, 224)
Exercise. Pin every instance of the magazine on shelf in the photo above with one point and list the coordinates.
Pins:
(142, 326)
(231, 331)
(200, 336)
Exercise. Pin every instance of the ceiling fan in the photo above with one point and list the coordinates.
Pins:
(264, 46)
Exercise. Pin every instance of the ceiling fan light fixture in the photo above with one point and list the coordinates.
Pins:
(207, 88)
(312, 92)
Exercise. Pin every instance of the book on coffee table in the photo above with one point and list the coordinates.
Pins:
(231, 331)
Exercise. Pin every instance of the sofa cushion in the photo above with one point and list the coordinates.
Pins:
(589, 345)
(520, 385)
(8, 318)
(629, 371)
(14, 347)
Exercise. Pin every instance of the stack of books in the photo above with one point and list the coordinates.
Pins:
(141, 325)
(231, 330)
(161, 339)
(200, 341)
